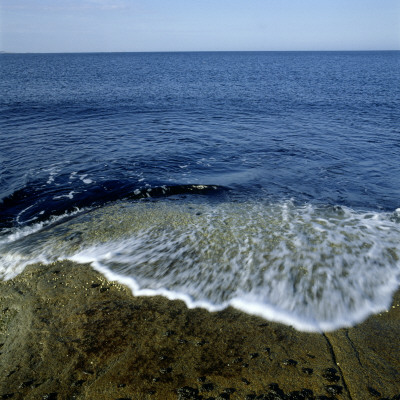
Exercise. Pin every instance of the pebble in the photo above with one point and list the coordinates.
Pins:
(188, 393)
(208, 387)
(373, 391)
(334, 389)
(290, 362)
(49, 396)
(165, 370)
(307, 371)
(330, 375)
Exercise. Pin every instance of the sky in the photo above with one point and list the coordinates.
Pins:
(198, 25)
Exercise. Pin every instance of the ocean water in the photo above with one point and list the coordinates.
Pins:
(269, 181)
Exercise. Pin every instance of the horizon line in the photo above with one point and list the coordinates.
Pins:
(194, 51)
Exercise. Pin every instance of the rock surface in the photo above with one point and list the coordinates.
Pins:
(68, 333)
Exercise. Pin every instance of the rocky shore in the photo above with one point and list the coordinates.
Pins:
(68, 333)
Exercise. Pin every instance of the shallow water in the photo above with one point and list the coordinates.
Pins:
(317, 268)
(106, 158)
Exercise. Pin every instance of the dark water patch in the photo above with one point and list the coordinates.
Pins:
(37, 203)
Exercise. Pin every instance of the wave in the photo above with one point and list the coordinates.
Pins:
(313, 267)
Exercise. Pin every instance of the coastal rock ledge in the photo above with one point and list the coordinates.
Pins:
(68, 333)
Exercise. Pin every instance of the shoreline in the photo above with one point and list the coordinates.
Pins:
(68, 333)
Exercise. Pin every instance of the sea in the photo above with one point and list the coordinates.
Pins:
(265, 181)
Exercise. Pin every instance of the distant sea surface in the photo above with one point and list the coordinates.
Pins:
(269, 181)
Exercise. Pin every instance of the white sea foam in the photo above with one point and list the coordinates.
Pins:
(53, 172)
(18, 217)
(72, 176)
(70, 195)
(85, 180)
(316, 268)
(15, 234)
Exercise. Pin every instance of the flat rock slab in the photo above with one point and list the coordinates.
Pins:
(68, 333)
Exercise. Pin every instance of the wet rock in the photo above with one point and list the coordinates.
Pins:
(334, 389)
(373, 391)
(98, 343)
(207, 387)
(303, 394)
(307, 371)
(26, 384)
(271, 396)
(297, 395)
(50, 396)
(165, 370)
(276, 390)
(75, 236)
(290, 362)
(188, 393)
(330, 375)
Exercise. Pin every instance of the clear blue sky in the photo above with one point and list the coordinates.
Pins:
(198, 25)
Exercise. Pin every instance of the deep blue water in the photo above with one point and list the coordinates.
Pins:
(273, 177)
(313, 126)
